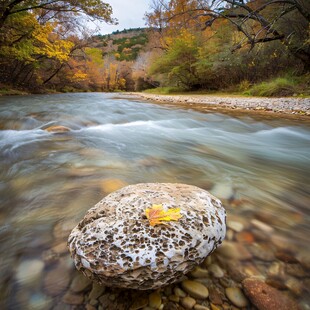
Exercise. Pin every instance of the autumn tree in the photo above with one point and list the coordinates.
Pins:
(259, 21)
(39, 39)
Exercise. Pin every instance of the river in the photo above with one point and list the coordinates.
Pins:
(258, 167)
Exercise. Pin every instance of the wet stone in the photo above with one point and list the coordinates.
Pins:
(73, 299)
(188, 302)
(200, 307)
(199, 272)
(295, 270)
(195, 289)
(286, 257)
(174, 298)
(215, 296)
(56, 280)
(265, 297)
(80, 284)
(234, 250)
(294, 285)
(96, 291)
(235, 226)
(179, 292)
(29, 271)
(236, 296)
(262, 226)
(262, 253)
(155, 300)
(216, 271)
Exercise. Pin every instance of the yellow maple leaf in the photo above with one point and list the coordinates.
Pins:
(156, 214)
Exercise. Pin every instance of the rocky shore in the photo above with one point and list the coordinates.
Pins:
(285, 105)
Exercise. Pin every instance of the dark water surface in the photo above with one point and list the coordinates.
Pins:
(260, 169)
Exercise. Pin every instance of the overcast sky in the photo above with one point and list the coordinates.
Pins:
(129, 13)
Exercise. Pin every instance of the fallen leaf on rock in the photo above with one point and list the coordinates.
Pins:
(156, 214)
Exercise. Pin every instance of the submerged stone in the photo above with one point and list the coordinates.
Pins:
(115, 244)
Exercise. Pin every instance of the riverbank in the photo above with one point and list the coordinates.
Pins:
(285, 105)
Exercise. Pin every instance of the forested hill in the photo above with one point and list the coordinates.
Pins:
(257, 48)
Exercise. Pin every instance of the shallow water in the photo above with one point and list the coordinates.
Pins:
(260, 169)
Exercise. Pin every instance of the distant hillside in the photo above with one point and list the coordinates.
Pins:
(123, 45)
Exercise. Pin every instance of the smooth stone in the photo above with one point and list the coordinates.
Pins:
(60, 248)
(235, 226)
(200, 307)
(295, 270)
(245, 237)
(262, 253)
(215, 296)
(111, 185)
(174, 298)
(57, 129)
(90, 307)
(236, 296)
(188, 302)
(29, 271)
(234, 250)
(223, 191)
(195, 289)
(155, 300)
(216, 271)
(294, 285)
(265, 297)
(277, 269)
(139, 303)
(39, 302)
(215, 307)
(73, 299)
(97, 291)
(286, 257)
(179, 292)
(262, 226)
(230, 235)
(57, 279)
(80, 284)
(199, 272)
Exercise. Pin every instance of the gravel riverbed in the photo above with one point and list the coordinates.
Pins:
(286, 105)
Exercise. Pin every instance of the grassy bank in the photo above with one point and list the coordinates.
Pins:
(286, 86)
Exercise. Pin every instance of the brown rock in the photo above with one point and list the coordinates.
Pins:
(57, 129)
(72, 299)
(265, 297)
(286, 257)
(56, 280)
(215, 296)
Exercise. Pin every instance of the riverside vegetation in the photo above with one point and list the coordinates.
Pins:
(260, 48)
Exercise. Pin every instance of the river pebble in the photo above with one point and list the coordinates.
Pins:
(155, 300)
(235, 226)
(188, 302)
(265, 297)
(96, 291)
(29, 271)
(262, 226)
(195, 289)
(236, 296)
(216, 271)
(56, 280)
(199, 272)
(179, 292)
(73, 299)
(80, 284)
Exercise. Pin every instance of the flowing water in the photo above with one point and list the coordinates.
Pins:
(259, 168)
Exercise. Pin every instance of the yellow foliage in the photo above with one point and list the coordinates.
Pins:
(157, 214)
(79, 76)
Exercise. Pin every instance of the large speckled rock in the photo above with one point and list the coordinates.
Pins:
(115, 244)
